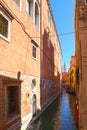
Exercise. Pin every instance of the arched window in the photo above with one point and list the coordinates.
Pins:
(33, 83)
(29, 7)
(36, 15)
(34, 105)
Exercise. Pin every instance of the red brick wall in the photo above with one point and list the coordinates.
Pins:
(50, 85)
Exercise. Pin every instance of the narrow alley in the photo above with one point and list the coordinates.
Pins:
(60, 115)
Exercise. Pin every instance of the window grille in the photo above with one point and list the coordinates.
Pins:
(3, 26)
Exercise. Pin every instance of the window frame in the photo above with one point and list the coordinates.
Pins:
(33, 45)
(9, 26)
(37, 15)
(48, 39)
(17, 112)
(49, 19)
(28, 8)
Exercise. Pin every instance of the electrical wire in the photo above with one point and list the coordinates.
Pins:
(23, 27)
(62, 34)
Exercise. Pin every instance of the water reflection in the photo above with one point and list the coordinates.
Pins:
(60, 115)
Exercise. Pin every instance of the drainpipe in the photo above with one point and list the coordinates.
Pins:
(41, 53)
(40, 23)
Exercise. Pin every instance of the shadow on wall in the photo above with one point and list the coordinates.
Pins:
(49, 82)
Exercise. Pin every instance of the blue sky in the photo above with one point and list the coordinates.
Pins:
(63, 11)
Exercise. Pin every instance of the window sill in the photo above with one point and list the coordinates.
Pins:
(6, 39)
(34, 58)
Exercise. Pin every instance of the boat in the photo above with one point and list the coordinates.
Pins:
(70, 91)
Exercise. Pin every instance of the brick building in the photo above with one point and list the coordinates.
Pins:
(30, 61)
(51, 56)
(81, 60)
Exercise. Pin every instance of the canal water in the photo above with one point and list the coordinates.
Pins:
(60, 115)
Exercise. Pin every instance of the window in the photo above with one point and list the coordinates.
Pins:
(36, 15)
(54, 51)
(33, 84)
(12, 101)
(34, 51)
(49, 18)
(33, 10)
(55, 71)
(49, 39)
(49, 64)
(4, 26)
(17, 2)
(29, 7)
(77, 75)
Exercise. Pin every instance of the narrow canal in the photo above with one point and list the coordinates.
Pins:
(60, 115)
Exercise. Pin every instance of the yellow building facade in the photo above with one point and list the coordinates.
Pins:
(73, 79)
(72, 72)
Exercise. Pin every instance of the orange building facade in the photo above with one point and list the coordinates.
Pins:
(30, 61)
(65, 79)
(20, 63)
(81, 61)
